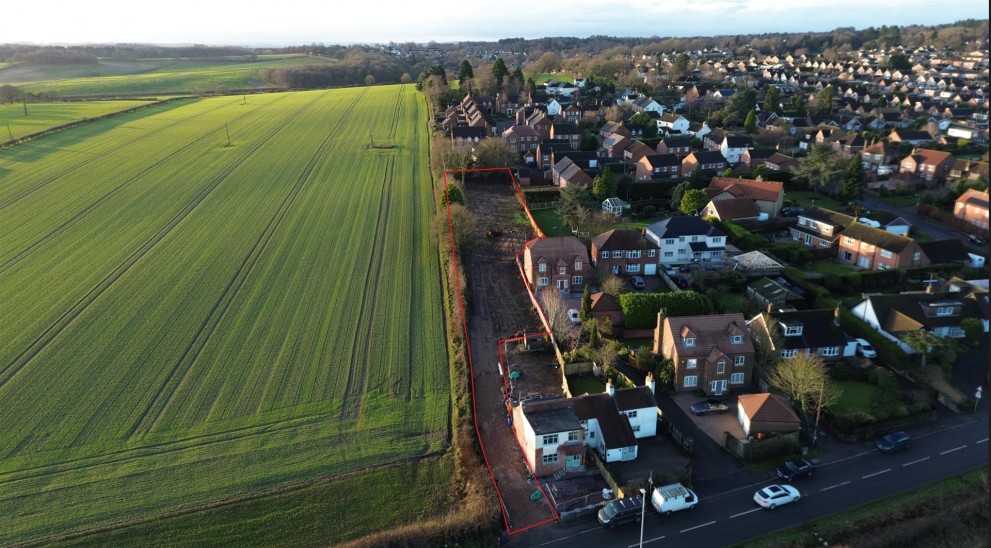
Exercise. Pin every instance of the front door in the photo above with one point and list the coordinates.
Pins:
(574, 461)
(615, 269)
(718, 387)
(562, 285)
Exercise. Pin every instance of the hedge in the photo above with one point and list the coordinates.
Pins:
(889, 352)
(539, 196)
(642, 190)
(640, 309)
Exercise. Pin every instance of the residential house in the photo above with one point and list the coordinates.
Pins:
(733, 147)
(732, 209)
(635, 151)
(573, 167)
(521, 138)
(930, 165)
(767, 195)
(764, 415)
(812, 332)
(610, 128)
(625, 252)
(705, 161)
(912, 137)
(713, 141)
(945, 252)
(551, 436)
(614, 144)
(567, 131)
(780, 162)
(972, 206)
(686, 239)
(940, 313)
(878, 154)
(673, 123)
(613, 421)
(468, 135)
(679, 146)
(877, 249)
(713, 353)
(560, 262)
(606, 306)
(753, 157)
(647, 104)
(819, 228)
(546, 149)
(658, 166)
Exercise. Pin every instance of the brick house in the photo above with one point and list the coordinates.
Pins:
(712, 353)
(972, 206)
(658, 166)
(708, 161)
(521, 138)
(930, 165)
(819, 228)
(551, 436)
(877, 249)
(560, 262)
(624, 252)
(569, 132)
(768, 195)
(679, 146)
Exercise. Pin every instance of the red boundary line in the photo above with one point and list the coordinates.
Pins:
(471, 367)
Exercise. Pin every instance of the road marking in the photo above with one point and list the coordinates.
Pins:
(646, 542)
(952, 450)
(834, 486)
(697, 527)
(745, 513)
(875, 474)
(915, 462)
(985, 440)
(559, 539)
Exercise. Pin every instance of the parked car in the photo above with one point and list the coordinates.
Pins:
(674, 497)
(573, 316)
(894, 441)
(976, 240)
(865, 349)
(773, 496)
(792, 211)
(710, 407)
(621, 511)
(637, 282)
(669, 270)
(796, 469)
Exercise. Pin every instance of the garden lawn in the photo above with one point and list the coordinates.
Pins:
(551, 223)
(826, 266)
(855, 396)
(580, 384)
(805, 199)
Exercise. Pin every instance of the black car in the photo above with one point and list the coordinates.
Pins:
(792, 211)
(621, 511)
(709, 407)
(796, 469)
(976, 240)
(894, 441)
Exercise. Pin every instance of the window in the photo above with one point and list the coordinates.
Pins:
(669, 253)
(718, 240)
(549, 459)
(633, 267)
(793, 330)
(691, 381)
(790, 353)
(617, 254)
(633, 254)
(695, 238)
(542, 267)
(885, 253)
(944, 311)
(736, 339)
(578, 266)
(669, 241)
(651, 252)
(605, 254)
(631, 414)
(562, 270)
(577, 280)
(831, 351)
(736, 378)
(691, 363)
(573, 435)
(813, 225)
(721, 367)
(542, 281)
(689, 341)
(739, 360)
(849, 241)
(882, 266)
(636, 428)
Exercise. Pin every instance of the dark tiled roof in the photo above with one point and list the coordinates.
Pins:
(616, 430)
(818, 329)
(945, 251)
(708, 157)
(663, 160)
(908, 311)
(738, 141)
(828, 216)
(604, 302)
(628, 399)
(621, 240)
(878, 237)
(673, 227)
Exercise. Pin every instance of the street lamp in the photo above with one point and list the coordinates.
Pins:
(643, 513)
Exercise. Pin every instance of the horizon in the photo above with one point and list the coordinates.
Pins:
(303, 22)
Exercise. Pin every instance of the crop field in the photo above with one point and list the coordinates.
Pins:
(187, 322)
(14, 124)
(153, 76)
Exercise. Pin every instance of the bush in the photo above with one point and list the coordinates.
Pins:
(648, 211)
(640, 309)
(839, 372)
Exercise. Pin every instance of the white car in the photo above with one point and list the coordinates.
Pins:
(773, 496)
(865, 349)
(669, 270)
(573, 316)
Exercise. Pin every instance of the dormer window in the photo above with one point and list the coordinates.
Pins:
(542, 266)
(689, 341)
(944, 311)
(736, 339)
(793, 330)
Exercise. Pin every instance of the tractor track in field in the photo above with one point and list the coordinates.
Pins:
(45, 182)
(354, 390)
(177, 375)
(10, 369)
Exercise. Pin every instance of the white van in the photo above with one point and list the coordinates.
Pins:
(674, 497)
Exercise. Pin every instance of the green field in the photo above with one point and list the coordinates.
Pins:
(152, 76)
(187, 322)
(14, 123)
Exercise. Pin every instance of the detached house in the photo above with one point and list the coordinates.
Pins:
(814, 332)
(560, 262)
(686, 239)
(625, 252)
(972, 206)
(551, 436)
(733, 147)
(768, 196)
(930, 165)
(521, 138)
(673, 124)
(819, 228)
(895, 315)
(877, 249)
(712, 353)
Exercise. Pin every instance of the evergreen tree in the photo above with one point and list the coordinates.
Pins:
(693, 201)
(679, 193)
(772, 100)
(852, 186)
(465, 73)
(604, 186)
(499, 72)
(750, 124)
(586, 310)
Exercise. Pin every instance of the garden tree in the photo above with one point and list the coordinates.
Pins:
(499, 72)
(576, 204)
(972, 330)
(760, 172)
(613, 285)
(586, 310)
(548, 62)
(556, 310)
(453, 196)
(803, 378)
(824, 99)
(529, 86)
(899, 61)
(739, 104)
(693, 201)
(590, 142)
(604, 185)
(925, 343)
(678, 193)
(821, 168)
(853, 183)
(767, 346)
(461, 226)
(695, 179)
(649, 126)
(490, 153)
(772, 100)
(606, 353)
(798, 105)
(457, 157)
(750, 124)
(515, 83)
(728, 172)
(465, 74)
(680, 67)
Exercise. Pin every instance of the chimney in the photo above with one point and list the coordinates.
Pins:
(659, 332)
(649, 382)
(610, 389)
(836, 316)
(770, 307)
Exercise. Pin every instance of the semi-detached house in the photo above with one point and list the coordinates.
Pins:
(684, 240)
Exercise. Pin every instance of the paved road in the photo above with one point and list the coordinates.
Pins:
(938, 231)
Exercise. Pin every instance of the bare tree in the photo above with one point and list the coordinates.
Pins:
(767, 344)
(613, 285)
(803, 378)
(556, 311)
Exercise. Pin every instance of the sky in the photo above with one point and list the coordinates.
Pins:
(296, 22)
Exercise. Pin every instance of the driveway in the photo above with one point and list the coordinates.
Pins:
(971, 371)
